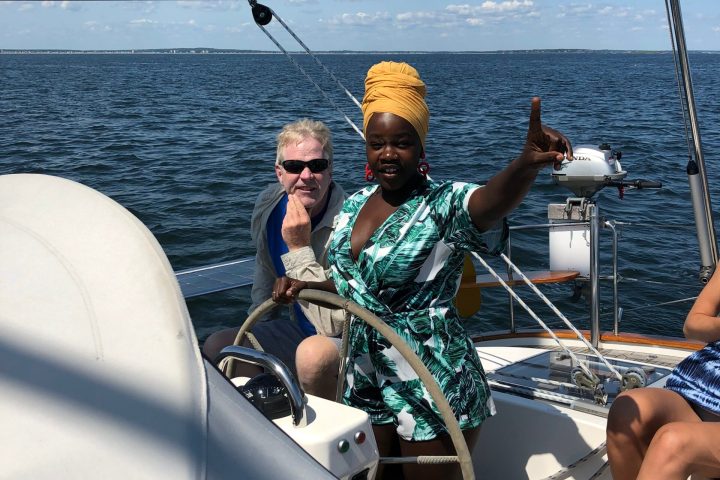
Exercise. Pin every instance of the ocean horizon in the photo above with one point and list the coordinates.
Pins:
(226, 51)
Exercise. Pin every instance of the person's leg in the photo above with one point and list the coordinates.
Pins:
(388, 446)
(440, 446)
(634, 419)
(317, 361)
(279, 338)
(680, 449)
(222, 338)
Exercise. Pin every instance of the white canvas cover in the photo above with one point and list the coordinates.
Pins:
(100, 372)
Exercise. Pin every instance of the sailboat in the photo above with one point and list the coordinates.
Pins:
(85, 395)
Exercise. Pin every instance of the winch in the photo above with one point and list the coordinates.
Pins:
(594, 168)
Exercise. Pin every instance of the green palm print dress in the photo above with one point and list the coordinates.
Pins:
(408, 274)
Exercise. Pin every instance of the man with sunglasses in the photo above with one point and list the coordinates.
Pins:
(291, 226)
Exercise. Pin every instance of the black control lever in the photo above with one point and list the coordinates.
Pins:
(639, 184)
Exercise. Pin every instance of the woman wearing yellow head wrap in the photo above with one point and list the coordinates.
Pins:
(398, 251)
(396, 88)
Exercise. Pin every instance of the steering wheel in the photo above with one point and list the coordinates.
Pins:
(330, 299)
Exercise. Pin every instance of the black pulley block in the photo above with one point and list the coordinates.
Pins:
(261, 14)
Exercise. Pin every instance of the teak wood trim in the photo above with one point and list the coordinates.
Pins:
(629, 338)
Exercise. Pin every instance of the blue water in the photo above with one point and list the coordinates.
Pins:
(187, 141)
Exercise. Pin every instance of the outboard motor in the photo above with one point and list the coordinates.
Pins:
(591, 169)
(575, 229)
(594, 168)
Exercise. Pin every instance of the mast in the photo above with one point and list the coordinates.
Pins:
(699, 190)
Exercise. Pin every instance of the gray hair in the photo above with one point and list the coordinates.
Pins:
(297, 131)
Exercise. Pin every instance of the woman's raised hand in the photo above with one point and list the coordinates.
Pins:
(544, 145)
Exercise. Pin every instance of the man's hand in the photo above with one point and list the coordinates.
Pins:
(286, 289)
(296, 224)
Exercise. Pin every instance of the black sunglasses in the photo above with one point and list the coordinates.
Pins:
(297, 166)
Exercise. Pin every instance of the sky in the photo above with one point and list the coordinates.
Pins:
(426, 25)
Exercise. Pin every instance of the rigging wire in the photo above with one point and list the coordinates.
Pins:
(507, 287)
(317, 60)
(254, 4)
(560, 315)
(671, 302)
(683, 99)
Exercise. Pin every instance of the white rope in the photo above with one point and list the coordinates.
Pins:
(562, 317)
(343, 357)
(582, 366)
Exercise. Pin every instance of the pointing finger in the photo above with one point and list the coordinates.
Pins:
(535, 125)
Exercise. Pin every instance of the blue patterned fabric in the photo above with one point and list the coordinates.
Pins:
(697, 378)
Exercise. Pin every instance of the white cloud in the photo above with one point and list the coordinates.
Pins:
(25, 6)
(216, 5)
(240, 28)
(424, 19)
(490, 7)
(360, 18)
(415, 17)
(159, 25)
(489, 11)
(576, 9)
(506, 6)
(451, 17)
(95, 26)
(143, 21)
(63, 5)
(144, 7)
(460, 9)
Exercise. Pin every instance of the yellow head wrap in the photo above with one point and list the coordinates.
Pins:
(396, 88)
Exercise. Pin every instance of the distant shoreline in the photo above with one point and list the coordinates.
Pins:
(218, 51)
